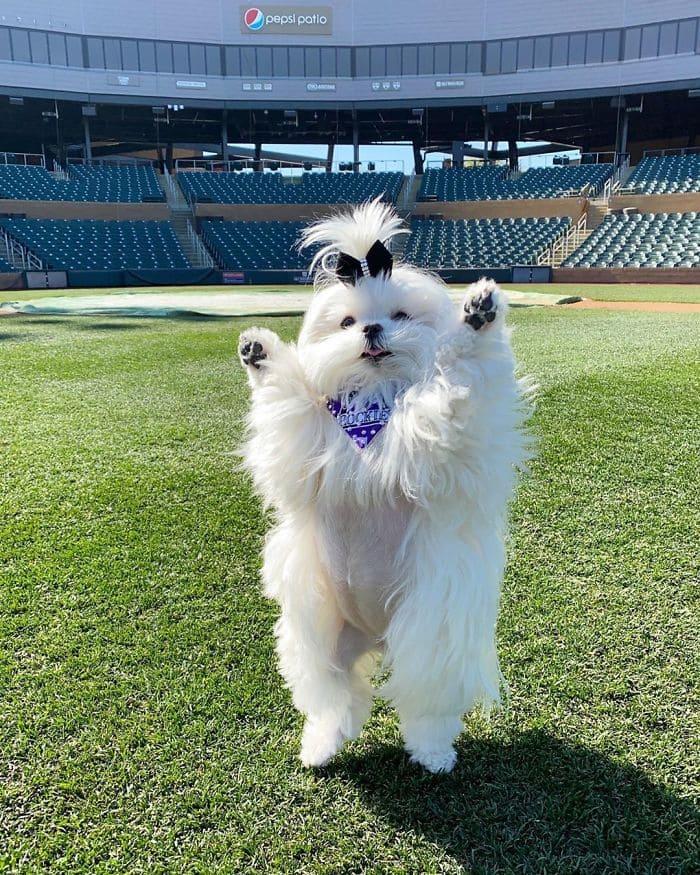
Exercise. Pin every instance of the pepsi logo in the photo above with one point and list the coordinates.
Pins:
(254, 18)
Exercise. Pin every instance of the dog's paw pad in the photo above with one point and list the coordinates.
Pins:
(481, 305)
(251, 352)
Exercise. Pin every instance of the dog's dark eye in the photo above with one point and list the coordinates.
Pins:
(400, 315)
(347, 322)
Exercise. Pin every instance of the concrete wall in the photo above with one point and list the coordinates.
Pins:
(658, 203)
(269, 212)
(540, 208)
(83, 210)
(626, 275)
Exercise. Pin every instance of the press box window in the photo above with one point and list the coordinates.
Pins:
(57, 49)
(410, 60)
(96, 53)
(5, 47)
(164, 57)
(594, 48)
(509, 50)
(633, 38)
(377, 61)
(611, 45)
(213, 58)
(686, 36)
(343, 62)
(474, 58)
(130, 54)
(668, 38)
(458, 58)
(526, 54)
(442, 58)
(39, 47)
(313, 62)
(280, 61)
(577, 49)
(113, 54)
(493, 58)
(393, 60)
(233, 61)
(20, 45)
(543, 51)
(248, 61)
(265, 61)
(650, 41)
(147, 56)
(362, 63)
(181, 61)
(296, 61)
(425, 60)
(198, 62)
(74, 50)
(328, 62)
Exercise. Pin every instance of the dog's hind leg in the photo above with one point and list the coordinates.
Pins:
(320, 656)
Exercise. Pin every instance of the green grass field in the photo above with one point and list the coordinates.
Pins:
(143, 726)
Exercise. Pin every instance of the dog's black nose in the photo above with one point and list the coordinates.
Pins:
(373, 331)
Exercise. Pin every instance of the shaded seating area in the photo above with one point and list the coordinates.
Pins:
(6, 267)
(641, 240)
(256, 245)
(274, 188)
(446, 243)
(666, 174)
(104, 184)
(86, 244)
(493, 182)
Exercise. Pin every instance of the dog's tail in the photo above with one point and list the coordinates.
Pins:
(353, 233)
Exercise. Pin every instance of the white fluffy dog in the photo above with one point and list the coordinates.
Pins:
(387, 441)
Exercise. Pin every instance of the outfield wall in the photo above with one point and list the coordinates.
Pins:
(653, 275)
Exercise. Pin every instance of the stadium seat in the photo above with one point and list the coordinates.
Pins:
(273, 188)
(440, 243)
(6, 267)
(256, 245)
(119, 184)
(492, 182)
(641, 240)
(86, 244)
(669, 174)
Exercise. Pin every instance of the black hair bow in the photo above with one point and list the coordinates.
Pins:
(377, 260)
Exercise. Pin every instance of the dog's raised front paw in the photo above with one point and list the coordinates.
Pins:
(255, 346)
(481, 304)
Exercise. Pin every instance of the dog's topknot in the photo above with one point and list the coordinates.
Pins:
(353, 233)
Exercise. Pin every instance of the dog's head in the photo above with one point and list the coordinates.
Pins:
(369, 333)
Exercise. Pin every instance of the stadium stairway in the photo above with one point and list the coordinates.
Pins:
(182, 222)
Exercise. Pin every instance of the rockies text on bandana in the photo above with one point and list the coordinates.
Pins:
(360, 424)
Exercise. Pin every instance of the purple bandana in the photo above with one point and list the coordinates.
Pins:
(363, 424)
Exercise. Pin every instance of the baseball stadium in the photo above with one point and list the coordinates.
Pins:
(158, 164)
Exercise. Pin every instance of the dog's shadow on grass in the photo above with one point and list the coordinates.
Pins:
(534, 803)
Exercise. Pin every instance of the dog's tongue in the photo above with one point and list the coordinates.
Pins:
(374, 351)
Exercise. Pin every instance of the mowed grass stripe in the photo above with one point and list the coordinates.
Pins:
(143, 726)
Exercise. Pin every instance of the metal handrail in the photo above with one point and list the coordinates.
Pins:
(201, 250)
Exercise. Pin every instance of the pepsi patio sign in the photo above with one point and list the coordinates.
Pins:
(301, 20)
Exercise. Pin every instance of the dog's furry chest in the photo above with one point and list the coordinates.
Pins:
(363, 549)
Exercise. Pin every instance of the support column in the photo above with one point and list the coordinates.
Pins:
(256, 156)
(417, 158)
(512, 154)
(224, 136)
(355, 144)
(458, 153)
(87, 149)
(169, 156)
(623, 135)
(329, 157)
(486, 137)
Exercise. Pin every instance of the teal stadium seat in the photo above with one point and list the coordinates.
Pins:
(492, 182)
(118, 184)
(668, 174)
(448, 243)
(87, 244)
(274, 188)
(6, 267)
(641, 240)
(256, 245)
